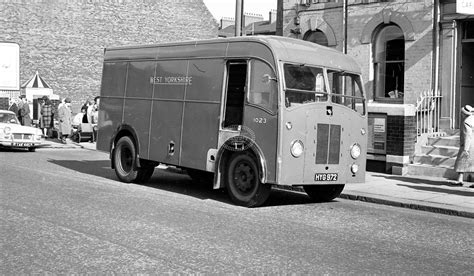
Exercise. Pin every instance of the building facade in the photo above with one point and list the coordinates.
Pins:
(417, 62)
(64, 40)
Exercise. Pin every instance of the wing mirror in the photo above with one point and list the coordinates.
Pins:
(267, 78)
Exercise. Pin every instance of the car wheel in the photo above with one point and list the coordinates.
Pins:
(31, 149)
(243, 181)
(323, 193)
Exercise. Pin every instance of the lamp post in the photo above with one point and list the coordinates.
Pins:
(239, 11)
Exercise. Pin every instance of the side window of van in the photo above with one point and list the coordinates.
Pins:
(263, 86)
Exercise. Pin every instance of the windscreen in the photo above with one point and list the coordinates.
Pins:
(8, 118)
(304, 84)
(346, 89)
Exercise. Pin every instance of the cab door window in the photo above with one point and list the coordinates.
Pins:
(263, 86)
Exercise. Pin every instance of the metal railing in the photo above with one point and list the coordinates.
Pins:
(428, 113)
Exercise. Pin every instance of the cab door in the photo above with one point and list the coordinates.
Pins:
(260, 117)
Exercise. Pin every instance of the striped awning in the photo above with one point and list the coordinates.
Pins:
(36, 82)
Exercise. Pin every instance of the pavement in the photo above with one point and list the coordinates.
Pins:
(431, 194)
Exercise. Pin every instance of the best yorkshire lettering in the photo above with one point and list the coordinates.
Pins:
(171, 80)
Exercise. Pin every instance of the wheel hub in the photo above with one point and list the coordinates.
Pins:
(244, 177)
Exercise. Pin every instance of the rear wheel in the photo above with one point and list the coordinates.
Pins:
(243, 181)
(125, 160)
(323, 193)
(32, 149)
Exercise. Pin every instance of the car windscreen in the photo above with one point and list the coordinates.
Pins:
(8, 118)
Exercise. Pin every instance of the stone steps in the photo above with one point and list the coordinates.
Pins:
(437, 157)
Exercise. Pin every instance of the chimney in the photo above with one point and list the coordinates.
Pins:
(272, 16)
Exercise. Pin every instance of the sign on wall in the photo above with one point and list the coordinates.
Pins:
(465, 6)
(9, 66)
(377, 140)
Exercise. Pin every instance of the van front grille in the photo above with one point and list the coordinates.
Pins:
(328, 144)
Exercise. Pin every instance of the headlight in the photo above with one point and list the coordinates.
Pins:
(354, 168)
(7, 130)
(297, 148)
(355, 151)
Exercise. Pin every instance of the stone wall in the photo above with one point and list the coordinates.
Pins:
(65, 39)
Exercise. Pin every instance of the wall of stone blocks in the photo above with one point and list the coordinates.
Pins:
(418, 52)
(65, 39)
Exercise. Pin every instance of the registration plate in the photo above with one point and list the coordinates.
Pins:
(22, 144)
(325, 177)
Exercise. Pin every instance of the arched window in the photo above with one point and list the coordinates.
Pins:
(389, 62)
(317, 37)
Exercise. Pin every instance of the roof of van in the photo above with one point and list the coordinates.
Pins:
(284, 48)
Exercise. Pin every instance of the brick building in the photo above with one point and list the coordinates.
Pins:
(64, 40)
(416, 57)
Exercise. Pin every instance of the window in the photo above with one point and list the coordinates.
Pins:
(389, 62)
(346, 90)
(263, 86)
(317, 37)
(304, 84)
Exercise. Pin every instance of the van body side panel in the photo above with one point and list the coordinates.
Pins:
(167, 111)
(201, 111)
(112, 92)
(137, 106)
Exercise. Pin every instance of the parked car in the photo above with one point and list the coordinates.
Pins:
(14, 135)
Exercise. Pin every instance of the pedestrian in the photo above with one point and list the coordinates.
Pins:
(24, 111)
(86, 119)
(13, 106)
(465, 159)
(93, 111)
(46, 116)
(64, 116)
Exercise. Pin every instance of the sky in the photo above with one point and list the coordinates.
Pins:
(226, 8)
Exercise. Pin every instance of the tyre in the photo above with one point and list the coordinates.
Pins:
(31, 149)
(125, 160)
(243, 181)
(323, 193)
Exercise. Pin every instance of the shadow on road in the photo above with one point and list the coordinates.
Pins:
(175, 181)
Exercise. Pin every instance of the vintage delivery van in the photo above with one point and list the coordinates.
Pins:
(247, 111)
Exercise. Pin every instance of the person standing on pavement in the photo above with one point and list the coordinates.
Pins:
(465, 158)
(24, 111)
(65, 119)
(13, 106)
(46, 115)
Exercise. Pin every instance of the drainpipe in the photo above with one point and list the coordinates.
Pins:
(239, 11)
(344, 26)
(279, 19)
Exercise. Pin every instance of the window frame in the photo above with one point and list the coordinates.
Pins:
(377, 62)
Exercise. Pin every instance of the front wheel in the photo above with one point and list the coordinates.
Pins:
(243, 181)
(31, 149)
(323, 193)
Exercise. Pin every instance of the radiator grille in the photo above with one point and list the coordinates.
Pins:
(328, 143)
(21, 136)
